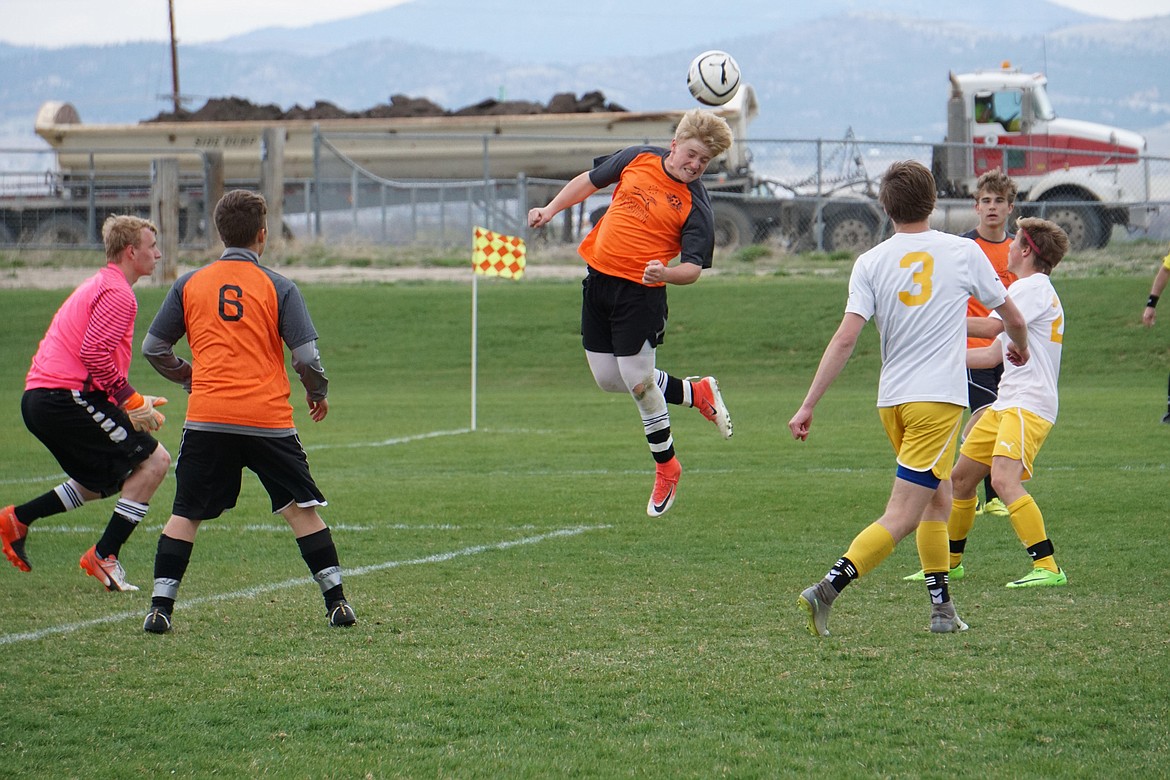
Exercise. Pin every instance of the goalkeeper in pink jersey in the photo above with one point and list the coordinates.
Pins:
(79, 403)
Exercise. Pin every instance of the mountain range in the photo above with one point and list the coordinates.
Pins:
(878, 67)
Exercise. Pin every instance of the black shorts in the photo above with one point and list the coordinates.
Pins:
(983, 386)
(210, 465)
(89, 436)
(619, 316)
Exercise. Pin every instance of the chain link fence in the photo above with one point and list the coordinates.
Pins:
(430, 190)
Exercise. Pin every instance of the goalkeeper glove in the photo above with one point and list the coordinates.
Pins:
(141, 411)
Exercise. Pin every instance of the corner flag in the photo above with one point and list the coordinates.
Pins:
(495, 254)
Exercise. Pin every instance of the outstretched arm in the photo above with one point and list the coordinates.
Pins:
(577, 190)
(832, 361)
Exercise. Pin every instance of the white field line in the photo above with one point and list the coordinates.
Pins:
(247, 593)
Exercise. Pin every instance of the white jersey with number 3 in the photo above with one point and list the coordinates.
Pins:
(1032, 386)
(915, 286)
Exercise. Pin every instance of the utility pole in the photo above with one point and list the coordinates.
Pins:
(174, 60)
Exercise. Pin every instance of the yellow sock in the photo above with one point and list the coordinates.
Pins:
(931, 538)
(869, 548)
(960, 522)
(1029, 525)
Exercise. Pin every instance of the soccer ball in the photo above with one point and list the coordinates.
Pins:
(713, 77)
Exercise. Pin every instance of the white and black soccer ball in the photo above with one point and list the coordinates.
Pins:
(713, 77)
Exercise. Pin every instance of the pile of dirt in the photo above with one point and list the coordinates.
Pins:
(235, 108)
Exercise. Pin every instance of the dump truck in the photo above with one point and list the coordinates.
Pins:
(1087, 177)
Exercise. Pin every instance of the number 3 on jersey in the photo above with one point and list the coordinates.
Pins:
(920, 279)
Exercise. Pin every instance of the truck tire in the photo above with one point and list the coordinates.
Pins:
(1084, 225)
(851, 230)
(733, 228)
(61, 230)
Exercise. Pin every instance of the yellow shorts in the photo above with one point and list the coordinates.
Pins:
(924, 434)
(1011, 433)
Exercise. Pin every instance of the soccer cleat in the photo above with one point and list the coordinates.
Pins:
(158, 621)
(1166, 417)
(954, 575)
(12, 534)
(946, 621)
(341, 614)
(665, 487)
(705, 397)
(997, 508)
(1040, 578)
(107, 571)
(816, 610)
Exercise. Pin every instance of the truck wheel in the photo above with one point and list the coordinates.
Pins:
(850, 231)
(733, 229)
(61, 230)
(1082, 224)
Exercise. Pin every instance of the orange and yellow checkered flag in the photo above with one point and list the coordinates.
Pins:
(494, 254)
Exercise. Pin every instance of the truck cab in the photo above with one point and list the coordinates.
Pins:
(1081, 175)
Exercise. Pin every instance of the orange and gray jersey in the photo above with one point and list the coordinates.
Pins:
(237, 315)
(652, 216)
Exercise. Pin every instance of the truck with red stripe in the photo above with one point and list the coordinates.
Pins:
(1084, 176)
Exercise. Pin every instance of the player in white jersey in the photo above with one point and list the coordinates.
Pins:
(915, 286)
(1006, 440)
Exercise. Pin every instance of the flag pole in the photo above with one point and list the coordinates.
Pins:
(474, 340)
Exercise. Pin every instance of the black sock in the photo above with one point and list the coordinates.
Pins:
(842, 573)
(659, 437)
(42, 506)
(937, 587)
(673, 392)
(117, 531)
(170, 564)
(320, 555)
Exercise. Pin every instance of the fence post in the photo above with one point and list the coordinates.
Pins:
(315, 191)
(272, 182)
(212, 191)
(164, 213)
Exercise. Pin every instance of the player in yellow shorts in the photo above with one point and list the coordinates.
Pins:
(1006, 439)
(914, 286)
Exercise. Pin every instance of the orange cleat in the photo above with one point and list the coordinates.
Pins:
(705, 397)
(12, 533)
(665, 483)
(107, 571)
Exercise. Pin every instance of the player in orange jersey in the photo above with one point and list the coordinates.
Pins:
(660, 210)
(237, 316)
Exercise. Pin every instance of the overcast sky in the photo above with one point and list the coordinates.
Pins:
(73, 22)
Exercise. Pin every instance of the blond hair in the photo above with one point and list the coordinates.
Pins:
(122, 230)
(706, 127)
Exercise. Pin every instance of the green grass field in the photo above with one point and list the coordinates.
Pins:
(520, 616)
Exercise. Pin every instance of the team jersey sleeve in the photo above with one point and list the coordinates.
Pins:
(165, 331)
(299, 334)
(861, 299)
(111, 316)
(698, 232)
(607, 170)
